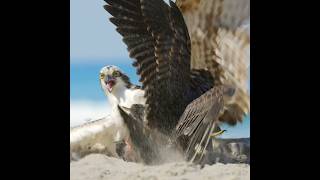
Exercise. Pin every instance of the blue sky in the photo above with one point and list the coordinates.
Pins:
(94, 43)
(91, 34)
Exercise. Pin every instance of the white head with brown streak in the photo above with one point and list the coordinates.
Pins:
(113, 80)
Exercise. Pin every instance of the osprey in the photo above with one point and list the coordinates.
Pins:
(186, 90)
(128, 106)
(120, 92)
(185, 97)
(220, 36)
(110, 134)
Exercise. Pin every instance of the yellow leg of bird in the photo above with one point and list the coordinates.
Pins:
(213, 135)
(200, 147)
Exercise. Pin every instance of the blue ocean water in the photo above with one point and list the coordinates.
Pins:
(84, 79)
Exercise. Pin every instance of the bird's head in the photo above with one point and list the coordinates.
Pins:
(228, 92)
(113, 79)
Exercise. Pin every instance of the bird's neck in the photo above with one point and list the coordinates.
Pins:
(117, 96)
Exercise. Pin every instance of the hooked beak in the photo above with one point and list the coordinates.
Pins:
(110, 82)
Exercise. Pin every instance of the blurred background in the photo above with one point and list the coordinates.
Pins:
(94, 43)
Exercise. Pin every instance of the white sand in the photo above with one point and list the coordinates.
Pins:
(97, 166)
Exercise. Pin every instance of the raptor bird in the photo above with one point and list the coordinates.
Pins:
(187, 94)
(110, 134)
(220, 36)
(192, 58)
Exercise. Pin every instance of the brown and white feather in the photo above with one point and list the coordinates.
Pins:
(220, 38)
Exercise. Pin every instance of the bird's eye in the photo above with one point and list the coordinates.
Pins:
(115, 74)
(102, 76)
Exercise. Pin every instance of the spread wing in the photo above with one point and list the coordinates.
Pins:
(220, 38)
(158, 41)
(93, 137)
(200, 119)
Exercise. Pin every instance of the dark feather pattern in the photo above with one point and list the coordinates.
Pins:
(158, 41)
(197, 122)
(139, 136)
(181, 101)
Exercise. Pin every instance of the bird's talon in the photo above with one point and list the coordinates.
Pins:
(217, 133)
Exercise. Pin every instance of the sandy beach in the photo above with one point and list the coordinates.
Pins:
(101, 167)
(230, 160)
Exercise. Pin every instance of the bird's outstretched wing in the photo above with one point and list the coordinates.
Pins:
(220, 38)
(93, 137)
(200, 119)
(158, 41)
